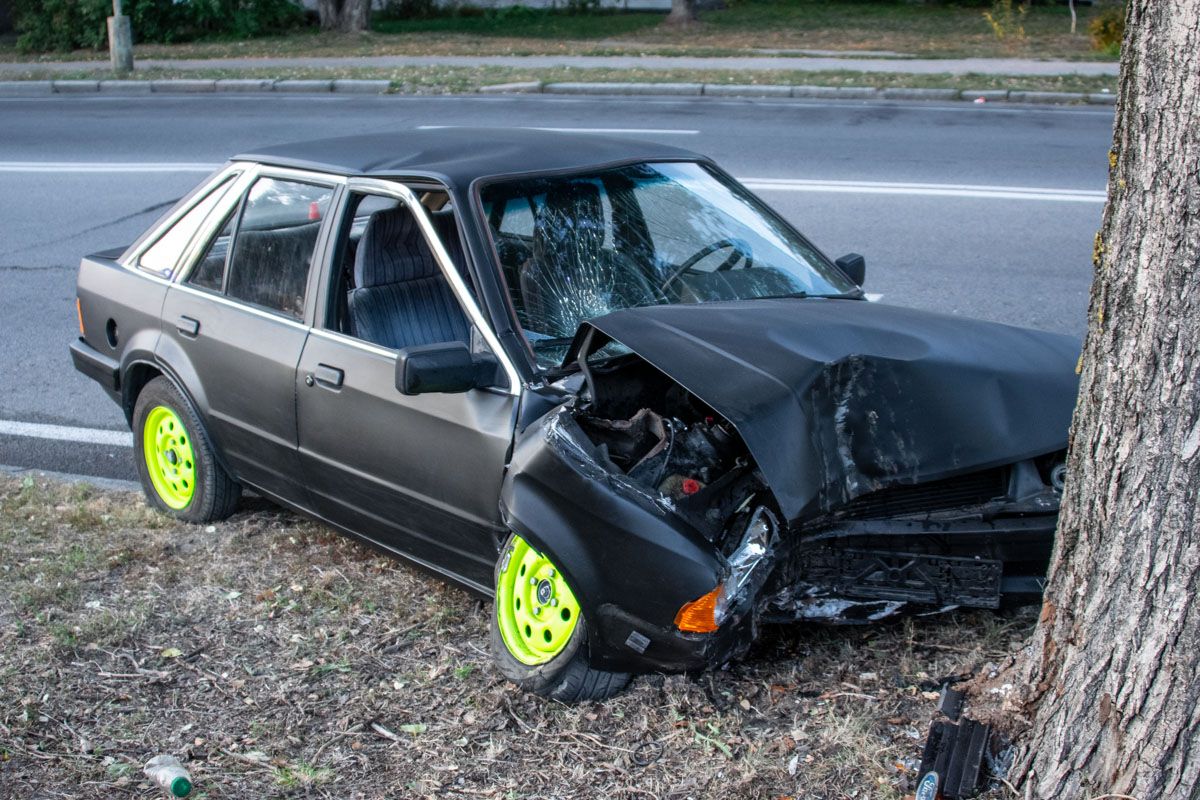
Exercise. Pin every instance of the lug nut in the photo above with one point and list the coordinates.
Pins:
(554, 602)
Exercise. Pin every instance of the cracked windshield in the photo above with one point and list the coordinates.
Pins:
(576, 247)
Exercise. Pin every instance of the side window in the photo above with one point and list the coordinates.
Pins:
(274, 244)
(209, 272)
(162, 256)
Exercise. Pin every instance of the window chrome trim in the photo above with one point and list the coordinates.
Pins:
(241, 305)
(406, 195)
(244, 172)
(361, 344)
(130, 259)
(210, 227)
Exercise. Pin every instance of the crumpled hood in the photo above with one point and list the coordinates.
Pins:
(839, 398)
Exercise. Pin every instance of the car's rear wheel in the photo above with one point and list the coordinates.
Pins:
(175, 461)
(538, 633)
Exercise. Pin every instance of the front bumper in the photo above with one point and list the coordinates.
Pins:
(865, 570)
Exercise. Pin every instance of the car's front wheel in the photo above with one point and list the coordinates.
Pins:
(175, 461)
(538, 634)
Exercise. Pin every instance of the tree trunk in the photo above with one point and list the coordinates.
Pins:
(683, 14)
(347, 16)
(1074, 16)
(1115, 697)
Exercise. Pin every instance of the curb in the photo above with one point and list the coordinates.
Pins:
(192, 86)
(348, 86)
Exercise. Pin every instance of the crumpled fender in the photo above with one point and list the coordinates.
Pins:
(618, 546)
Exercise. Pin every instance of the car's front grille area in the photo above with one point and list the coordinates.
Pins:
(964, 490)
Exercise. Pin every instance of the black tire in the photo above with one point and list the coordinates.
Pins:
(215, 495)
(567, 677)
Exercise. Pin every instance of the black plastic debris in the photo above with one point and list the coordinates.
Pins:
(951, 703)
(955, 753)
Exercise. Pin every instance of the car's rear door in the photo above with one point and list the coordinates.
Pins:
(234, 326)
(419, 474)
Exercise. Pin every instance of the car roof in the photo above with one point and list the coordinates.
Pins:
(458, 156)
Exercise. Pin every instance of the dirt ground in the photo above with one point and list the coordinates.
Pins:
(278, 659)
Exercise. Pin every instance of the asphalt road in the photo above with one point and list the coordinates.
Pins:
(911, 186)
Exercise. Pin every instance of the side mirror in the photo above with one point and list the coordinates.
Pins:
(855, 267)
(446, 367)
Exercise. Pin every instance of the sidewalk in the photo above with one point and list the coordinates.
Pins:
(922, 66)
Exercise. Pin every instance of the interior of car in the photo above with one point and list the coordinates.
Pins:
(389, 288)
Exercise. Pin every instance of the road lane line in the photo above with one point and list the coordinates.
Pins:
(65, 433)
(927, 190)
(104, 166)
(654, 131)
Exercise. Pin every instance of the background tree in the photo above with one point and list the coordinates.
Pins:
(683, 13)
(348, 16)
(1115, 661)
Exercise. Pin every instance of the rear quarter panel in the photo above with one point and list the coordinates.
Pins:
(121, 311)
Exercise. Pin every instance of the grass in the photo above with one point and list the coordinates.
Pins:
(277, 659)
(747, 27)
(525, 23)
(455, 80)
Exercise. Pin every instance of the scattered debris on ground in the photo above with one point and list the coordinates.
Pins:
(276, 658)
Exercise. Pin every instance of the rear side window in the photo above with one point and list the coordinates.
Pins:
(162, 256)
(274, 244)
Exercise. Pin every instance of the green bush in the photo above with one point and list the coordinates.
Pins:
(45, 25)
(1108, 30)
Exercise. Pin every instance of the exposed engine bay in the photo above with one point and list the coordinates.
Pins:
(963, 541)
(668, 441)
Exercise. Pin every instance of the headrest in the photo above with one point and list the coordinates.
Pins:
(570, 225)
(392, 250)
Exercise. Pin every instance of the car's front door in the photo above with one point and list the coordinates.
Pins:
(234, 327)
(419, 474)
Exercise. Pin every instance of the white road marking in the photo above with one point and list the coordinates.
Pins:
(653, 131)
(64, 433)
(104, 166)
(926, 189)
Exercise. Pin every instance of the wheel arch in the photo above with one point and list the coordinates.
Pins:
(143, 368)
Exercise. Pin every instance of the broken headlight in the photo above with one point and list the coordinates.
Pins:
(749, 565)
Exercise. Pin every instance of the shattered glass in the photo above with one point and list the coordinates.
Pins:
(576, 247)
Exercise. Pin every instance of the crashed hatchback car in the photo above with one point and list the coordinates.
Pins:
(594, 378)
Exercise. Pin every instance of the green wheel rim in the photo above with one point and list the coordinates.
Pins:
(535, 607)
(170, 460)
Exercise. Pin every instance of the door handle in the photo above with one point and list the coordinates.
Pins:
(188, 326)
(327, 376)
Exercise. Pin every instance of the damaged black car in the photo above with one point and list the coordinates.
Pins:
(595, 379)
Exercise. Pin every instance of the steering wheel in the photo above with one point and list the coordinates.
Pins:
(741, 252)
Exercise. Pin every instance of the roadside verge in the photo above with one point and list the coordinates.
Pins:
(76, 86)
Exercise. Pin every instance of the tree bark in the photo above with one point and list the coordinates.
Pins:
(1114, 699)
(347, 16)
(683, 14)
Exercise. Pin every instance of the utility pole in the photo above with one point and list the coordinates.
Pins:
(120, 40)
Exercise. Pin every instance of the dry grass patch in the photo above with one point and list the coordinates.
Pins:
(278, 659)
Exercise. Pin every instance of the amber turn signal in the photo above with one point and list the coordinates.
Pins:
(79, 313)
(699, 615)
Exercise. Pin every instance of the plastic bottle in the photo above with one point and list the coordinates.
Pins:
(168, 773)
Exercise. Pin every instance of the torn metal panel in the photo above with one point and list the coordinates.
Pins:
(836, 399)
